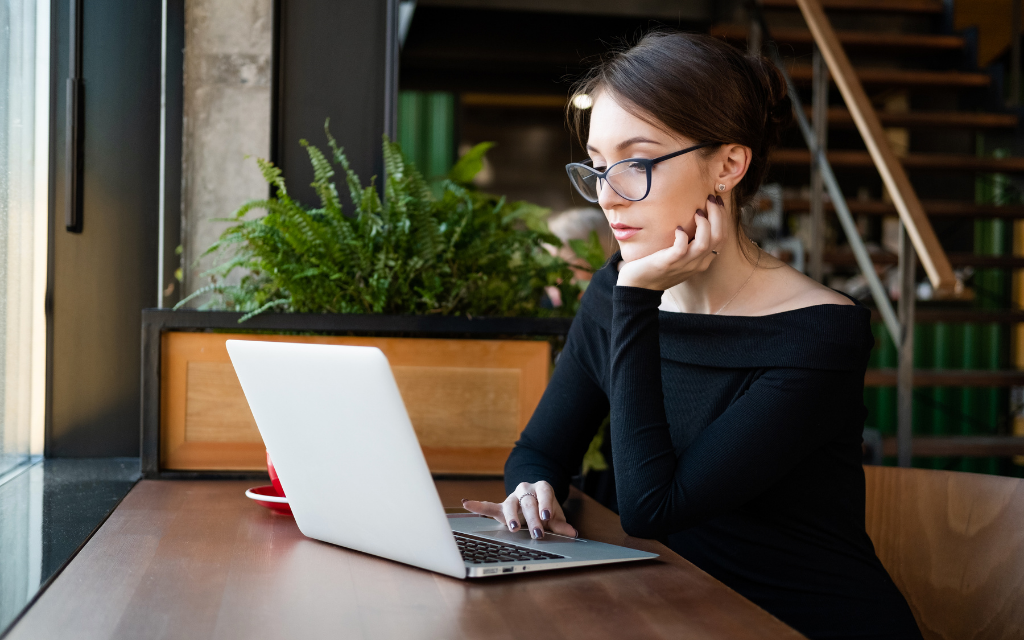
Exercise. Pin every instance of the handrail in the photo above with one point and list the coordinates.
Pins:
(908, 206)
(860, 252)
(842, 210)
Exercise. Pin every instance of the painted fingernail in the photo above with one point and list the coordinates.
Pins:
(679, 228)
(465, 500)
(712, 197)
(538, 533)
(719, 200)
(545, 515)
(513, 525)
(702, 213)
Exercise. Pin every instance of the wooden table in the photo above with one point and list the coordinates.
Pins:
(196, 559)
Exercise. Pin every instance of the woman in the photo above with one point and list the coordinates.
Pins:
(734, 383)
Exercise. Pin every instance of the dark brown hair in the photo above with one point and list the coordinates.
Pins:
(700, 87)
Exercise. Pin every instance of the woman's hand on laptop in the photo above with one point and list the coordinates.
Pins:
(539, 507)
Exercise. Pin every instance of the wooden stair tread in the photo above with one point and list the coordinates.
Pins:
(973, 446)
(837, 116)
(937, 208)
(849, 38)
(845, 257)
(948, 378)
(887, 6)
(954, 161)
(904, 77)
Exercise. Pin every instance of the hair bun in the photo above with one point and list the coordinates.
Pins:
(778, 108)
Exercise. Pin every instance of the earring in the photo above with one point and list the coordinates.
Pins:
(721, 187)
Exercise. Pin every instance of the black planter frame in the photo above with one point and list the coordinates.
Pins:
(157, 321)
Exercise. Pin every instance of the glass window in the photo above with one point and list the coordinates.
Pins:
(24, 170)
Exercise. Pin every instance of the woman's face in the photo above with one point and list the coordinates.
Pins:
(678, 185)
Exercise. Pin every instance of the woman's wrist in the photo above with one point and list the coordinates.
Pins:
(628, 299)
(639, 279)
(636, 285)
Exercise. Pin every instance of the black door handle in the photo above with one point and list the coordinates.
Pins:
(73, 129)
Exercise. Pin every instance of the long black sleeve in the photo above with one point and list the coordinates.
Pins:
(551, 447)
(777, 421)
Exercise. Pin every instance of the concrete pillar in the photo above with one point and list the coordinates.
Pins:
(227, 111)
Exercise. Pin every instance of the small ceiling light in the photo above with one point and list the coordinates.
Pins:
(582, 101)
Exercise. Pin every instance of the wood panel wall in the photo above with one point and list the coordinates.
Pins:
(468, 400)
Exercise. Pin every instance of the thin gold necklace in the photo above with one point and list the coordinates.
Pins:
(675, 298)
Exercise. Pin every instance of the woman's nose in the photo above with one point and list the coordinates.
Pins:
(607, 198)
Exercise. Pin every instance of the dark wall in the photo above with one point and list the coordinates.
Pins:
(101, 278)
(332, 61)
(464, 49)
(532, 147)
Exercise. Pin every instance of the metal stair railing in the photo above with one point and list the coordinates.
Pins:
(915, 229)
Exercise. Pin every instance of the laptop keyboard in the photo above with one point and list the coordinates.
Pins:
(482, 551)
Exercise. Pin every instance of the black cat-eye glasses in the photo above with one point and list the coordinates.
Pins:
(630, 178)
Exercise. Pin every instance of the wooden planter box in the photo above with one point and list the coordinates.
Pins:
(470, 385)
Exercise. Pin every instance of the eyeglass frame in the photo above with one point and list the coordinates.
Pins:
(648, 166)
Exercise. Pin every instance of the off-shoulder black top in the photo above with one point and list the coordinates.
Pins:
(736, 441)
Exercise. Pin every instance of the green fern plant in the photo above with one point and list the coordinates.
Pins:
(462, 252)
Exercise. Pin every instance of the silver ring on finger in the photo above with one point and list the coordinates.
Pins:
(528, 493)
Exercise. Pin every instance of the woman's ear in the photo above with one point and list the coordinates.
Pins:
(733, 161)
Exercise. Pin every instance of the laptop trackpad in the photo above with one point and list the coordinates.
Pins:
(522, 537)
(490, 528)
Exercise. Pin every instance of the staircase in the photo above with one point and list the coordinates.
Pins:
(941, 114)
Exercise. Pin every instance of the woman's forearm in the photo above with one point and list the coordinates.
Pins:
(645, 460)
(551, 447)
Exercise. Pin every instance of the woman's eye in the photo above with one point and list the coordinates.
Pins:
(600, 169)
(637, 166)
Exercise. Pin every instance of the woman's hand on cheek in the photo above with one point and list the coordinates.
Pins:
(668, 267)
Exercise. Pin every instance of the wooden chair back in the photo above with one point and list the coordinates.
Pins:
(954, 544)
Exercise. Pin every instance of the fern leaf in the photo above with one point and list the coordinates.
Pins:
(266, 307)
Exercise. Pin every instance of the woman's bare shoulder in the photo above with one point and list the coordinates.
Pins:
(794, 290)
(820, 294)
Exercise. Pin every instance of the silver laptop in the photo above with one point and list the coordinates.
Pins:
(347, 456)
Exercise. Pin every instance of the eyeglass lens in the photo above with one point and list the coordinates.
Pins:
(628, 179)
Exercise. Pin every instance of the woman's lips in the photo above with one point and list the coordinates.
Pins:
(623, 232)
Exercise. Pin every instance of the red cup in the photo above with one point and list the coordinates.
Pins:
(273, 477)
